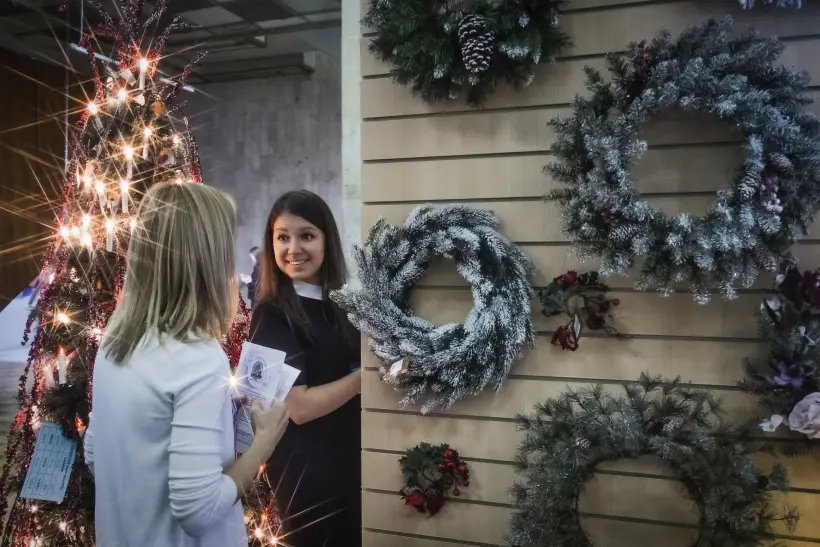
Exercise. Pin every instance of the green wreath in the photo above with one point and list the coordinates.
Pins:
(442, 363)
(569, 436)
(755, 218)
(431, 473)
(449, 48)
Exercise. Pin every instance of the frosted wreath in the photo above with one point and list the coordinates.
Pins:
(449, 48)
(568, 437)
(445, 363)
(755, 218)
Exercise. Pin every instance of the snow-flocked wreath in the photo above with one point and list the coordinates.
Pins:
(451, 48)
(442, 363)
(756, 217)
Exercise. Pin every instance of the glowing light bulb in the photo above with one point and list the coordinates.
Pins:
(132, 224)
(259, 533)
(86, 221)
(86, 239)
(63, 526)
(93, 108)
(148, 132)
(176, 140)
(274, 540)
(34, 508)
(65, 232)
(62, 317)
(50, 277)
(179, 181)
(128, 152)
(75, 232)
(232, 381)
(143, 63)
(122, 95)
(100, 187)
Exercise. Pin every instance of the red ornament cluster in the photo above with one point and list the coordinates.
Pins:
(431, 474)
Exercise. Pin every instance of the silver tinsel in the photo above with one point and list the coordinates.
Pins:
(748, 4)
(442, 363)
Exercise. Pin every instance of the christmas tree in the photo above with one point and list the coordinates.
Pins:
(131, 135)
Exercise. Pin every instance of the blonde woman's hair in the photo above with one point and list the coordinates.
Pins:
(179, 280)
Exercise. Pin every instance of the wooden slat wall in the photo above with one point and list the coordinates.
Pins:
(31, 157)
(492, 157)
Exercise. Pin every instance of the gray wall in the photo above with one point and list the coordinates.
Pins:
(261, 138)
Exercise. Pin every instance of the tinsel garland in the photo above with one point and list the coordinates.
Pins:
(449, 49)
(81, 279)
(756, 217)
(445, 363)
(748, 4)
(569, 436)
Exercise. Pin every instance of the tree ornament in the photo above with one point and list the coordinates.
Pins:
(429, 476)
(583, 299)
(476, 41)
(448, 49)
(758, 215)
(788, 382)
(568, 437)
(446, 363)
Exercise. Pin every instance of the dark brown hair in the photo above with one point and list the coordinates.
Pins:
(276, 288)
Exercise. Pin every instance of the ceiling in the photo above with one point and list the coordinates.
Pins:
(244, 38)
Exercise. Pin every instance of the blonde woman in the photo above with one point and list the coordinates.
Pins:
(162, 426)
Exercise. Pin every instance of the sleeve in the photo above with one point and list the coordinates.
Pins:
(269, 328)
(88, 444)
(200, 492)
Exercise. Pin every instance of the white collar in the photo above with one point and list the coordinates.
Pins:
(307, 290)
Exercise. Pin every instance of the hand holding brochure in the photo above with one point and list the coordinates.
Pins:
(263, 376)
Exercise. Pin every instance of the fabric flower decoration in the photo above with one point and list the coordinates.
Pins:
(791, 375)
(805, 416)
(771, 425)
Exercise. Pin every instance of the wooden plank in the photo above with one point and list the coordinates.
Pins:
(638, 313)
(535, 220)
(712, 363)
(504, 132)
(554, 84)
(400, 431)
(488, 524)
(661, 170)
(518, 396)
(383, 471)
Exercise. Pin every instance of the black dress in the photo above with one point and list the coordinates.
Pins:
(315, 470)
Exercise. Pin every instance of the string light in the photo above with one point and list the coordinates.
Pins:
(65, 232)
(132, 224)
(86, 220)
(62, 317)
(75, 232)
(93, 108)
(128, 152)
(176, 140)
(122, 95)
(259, 533)
(86, 239)
(143, 63)
(63, 526)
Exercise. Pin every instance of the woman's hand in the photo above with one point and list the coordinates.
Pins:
(268, 425)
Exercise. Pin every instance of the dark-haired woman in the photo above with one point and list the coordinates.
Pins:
(316, 468)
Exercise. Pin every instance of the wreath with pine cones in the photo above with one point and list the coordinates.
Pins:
(446, 49)
(755, 218)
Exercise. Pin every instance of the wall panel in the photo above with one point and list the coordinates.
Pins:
(493, 157)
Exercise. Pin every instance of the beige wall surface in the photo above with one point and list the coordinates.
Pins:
(412, 153)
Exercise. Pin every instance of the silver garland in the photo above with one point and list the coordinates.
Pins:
(442, 363)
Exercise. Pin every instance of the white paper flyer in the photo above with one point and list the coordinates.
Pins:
(263, 376)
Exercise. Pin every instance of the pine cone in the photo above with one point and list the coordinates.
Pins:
(781, 164)
(749, 184)
(477, 42)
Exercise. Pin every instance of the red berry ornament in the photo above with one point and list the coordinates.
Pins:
(462, 468)
(450, 454)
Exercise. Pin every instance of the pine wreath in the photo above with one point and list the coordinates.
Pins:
(445, 363)
(756, 217)
(449, 48)
(569, 436)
